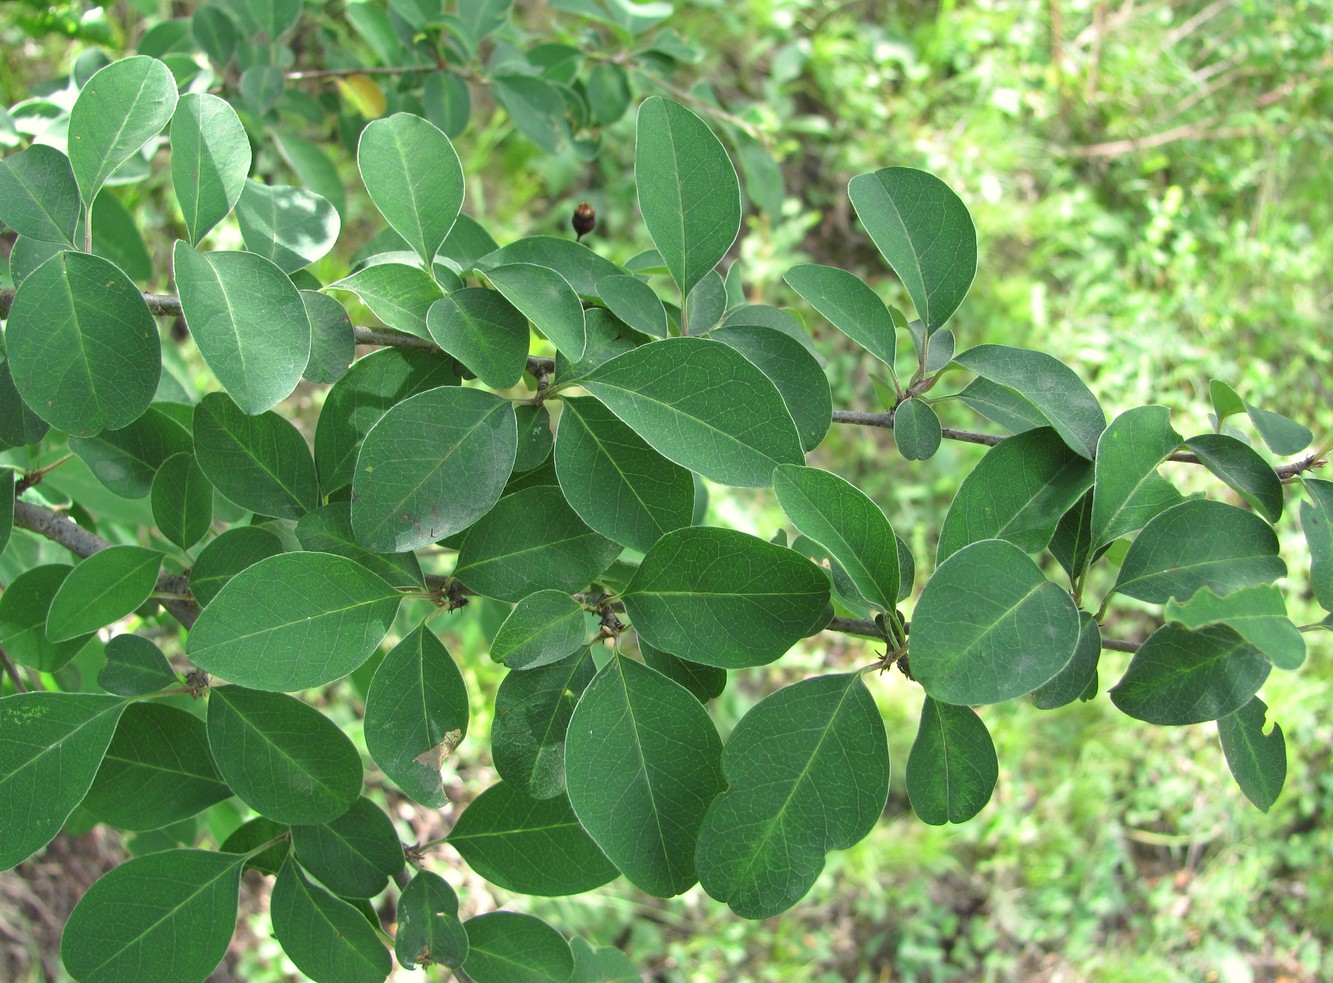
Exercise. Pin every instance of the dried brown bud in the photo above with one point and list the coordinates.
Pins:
(585, 219)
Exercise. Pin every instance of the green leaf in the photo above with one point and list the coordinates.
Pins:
(116, 237)
(1257, 760)
(38, 195)
(259, 462)
(248, 320)
(703, 405)
(101, 589)
(53, 745)
(916, 430)
(505, 947)
(1002, 405)
(24, 606)
(182, 500)
(643, 762)
(327, 938)
(19, 425)
(547, 300)
(329, 530)
(166, 916)
(284, 759)
(1258, 614)
(705, 305)
(543, 628)
(705, 682)
(578, 264)
(355, 404)
(82, 347)
(688, 190)
(261, 88)
(532, 846)
(532, 712)
(989, 626)
(312, 165)
(635, 303)
(1049, 385)
(432, 466)
(429, 930)
(118, 110)
(799, 378)
(1073, 681)
(617, 484)
(216, 33)
(414, 178)
(849, 305)
(227, 556)
(125, 461)
(293, 621)
(447, 101)
(1128, 491)
(485, 332)
(807, 772)
(1017, 492)
(354, 855)
(924, 231)
(399, 295)
(1225, 401)
(535, 440)
(724, 598)
(210, 157)
(1241, 467)
(157, 771)
(952, 769)
(536, 107)
(1179, 676)
(1199, 544)
(844, 521)
(292, 227)
(253, 834)
(416, 715)
(134, 667)
(532, 540)
(1283, 436)
(1317, 524)
(332, 338)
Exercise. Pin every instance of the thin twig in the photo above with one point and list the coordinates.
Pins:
(61, 529)
(885, 420)
(1115, 645)
(322, 73)
(12, 671)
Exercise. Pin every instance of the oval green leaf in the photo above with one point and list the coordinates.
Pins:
(807, 771)
(543, 628)
(248, 320)
(643, 762)
(126, 460)
(54, 743)
(182, 499)
(397, 294)
(532, 846)
(952, 768)
(724, 598)
(689, 194)
(134, 667)
(354, 855)
(82, 346)
(327, 938)
(504, 947)
(38, 195)
(547, 300)
(1199, 544)
(842, 519)
(429, 930)
(283, 758)
(210, 157)
(259, 462)
(103, 588)
(849, 305)
(118, 110)
(292, 227)
(1050, 386)
(922, 228)
(1243, 469)
(227, 556)
(414, 178)
(1257, 760)
(24, 606)
(432, 466)
(1018, 492)
(989, 626)
(293, 621)
(1258, 614)
(416, 715)
(617, 484)
(1128, 491)
(635, 303)
(532, 713)
(1179, 676)
(157, 771)
(484, 331)
(166, 916)
(799, 378)
(703, 405)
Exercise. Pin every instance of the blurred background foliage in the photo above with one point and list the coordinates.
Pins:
(1151, 184)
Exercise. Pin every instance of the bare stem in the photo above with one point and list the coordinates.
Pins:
(12, 671)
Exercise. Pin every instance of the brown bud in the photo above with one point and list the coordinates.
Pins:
(585, 219)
